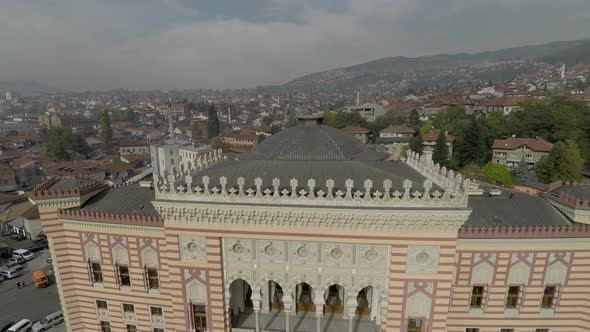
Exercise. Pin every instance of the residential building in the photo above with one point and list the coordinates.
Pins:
(503, 105)
(312, 231)
(393, 138)
(429, 142)
(360, 133)
(512, 151)
(368, 111)
(133, 147)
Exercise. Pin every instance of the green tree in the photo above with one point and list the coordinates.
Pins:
(497, 174)
(60, 140)
(440, 155)
(212, 122)
(563, 163)
(521, 172)
(473, 171)
(470, 146)
(105, 130)
(414, 120)
(416, 144)
(426, 128)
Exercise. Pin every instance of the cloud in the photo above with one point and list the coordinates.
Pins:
(92, 44)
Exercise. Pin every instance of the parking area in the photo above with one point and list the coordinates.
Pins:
(29, 302)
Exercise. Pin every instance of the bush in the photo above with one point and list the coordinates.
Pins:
(497, 174)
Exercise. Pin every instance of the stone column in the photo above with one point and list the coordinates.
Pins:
(256, 305)
(265, 298)
(287, 305)
(349, 310)
(319, 302)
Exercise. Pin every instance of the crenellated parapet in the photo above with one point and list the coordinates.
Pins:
(44, 190)
(520, 232)
(439, 189)
(573, 201)
(446, 179)
(110, 218)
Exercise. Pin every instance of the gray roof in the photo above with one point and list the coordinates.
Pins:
(70, 183)
(312, 142)
(516, 210)
(134, 200)
(579, 191)
(339, 171)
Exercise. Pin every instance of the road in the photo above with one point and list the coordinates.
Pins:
(29, 302)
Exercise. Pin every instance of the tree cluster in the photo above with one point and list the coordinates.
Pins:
(213, 128)
(60, 140)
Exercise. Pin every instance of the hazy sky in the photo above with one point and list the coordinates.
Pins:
(145, 44)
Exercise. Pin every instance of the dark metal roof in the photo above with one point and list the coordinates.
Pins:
(339, 171)
(520, 210)
(130, 200)
(70, 183)
(579, 191)
(310, 141)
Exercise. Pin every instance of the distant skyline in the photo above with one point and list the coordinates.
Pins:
(183, 44)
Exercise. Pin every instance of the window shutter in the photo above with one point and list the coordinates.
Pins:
(146, 278)
(89, 268)
(117, 276)
(486, 296)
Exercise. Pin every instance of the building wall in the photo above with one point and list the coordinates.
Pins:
(512, 158)
(531, 264)
(125, 150)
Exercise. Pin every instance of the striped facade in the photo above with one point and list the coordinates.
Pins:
(449, 289)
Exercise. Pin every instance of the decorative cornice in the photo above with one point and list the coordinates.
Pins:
(519, 232)
(110, 228)
(111, 218)
(312, 218)
(44, 192)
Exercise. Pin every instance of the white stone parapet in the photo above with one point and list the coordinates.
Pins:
(179, 185)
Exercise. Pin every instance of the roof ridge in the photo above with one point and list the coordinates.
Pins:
(333, 141)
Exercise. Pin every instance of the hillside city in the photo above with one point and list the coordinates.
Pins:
(106, 170)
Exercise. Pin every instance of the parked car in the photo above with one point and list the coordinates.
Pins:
(16, 260)
(17, 266)
(24, 253)
(49, 321)
(18, 237)
(5, 325)
(40, 245)
(24, 325)
(10, 273)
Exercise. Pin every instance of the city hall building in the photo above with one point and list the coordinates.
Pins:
(314, 232)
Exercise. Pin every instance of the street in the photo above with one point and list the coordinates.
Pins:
(29, 302)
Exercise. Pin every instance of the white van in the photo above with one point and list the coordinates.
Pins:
(24, 325)
(49, 321)
(24, 253)
(10, 273)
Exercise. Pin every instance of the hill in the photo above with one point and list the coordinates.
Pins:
(26, 87)
(399, 73)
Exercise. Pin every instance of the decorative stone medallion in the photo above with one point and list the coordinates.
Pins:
(270, 250)
(303, 251)
(422, 259)
(192, 249)
(336, 253)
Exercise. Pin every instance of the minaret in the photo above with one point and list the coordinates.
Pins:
(229, 116)
(170, 124)
(358, 98)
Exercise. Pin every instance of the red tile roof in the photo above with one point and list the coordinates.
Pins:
(433, 135)
(512, 143)
(355, 130)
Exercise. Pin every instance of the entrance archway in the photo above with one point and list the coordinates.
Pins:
(364, 300)
(240, 300)
(334, 298)
(304, 298)
(275, 292)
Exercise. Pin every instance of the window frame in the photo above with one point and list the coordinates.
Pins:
(99, 307)
(516, 297)
(158, 315)
(553, 299)
(126, 306)
(105, 326)
(482, 297)
(420, 320)
(201, 314)
(121, 276)
(148, 278)
(94, 272)
(130, 328)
